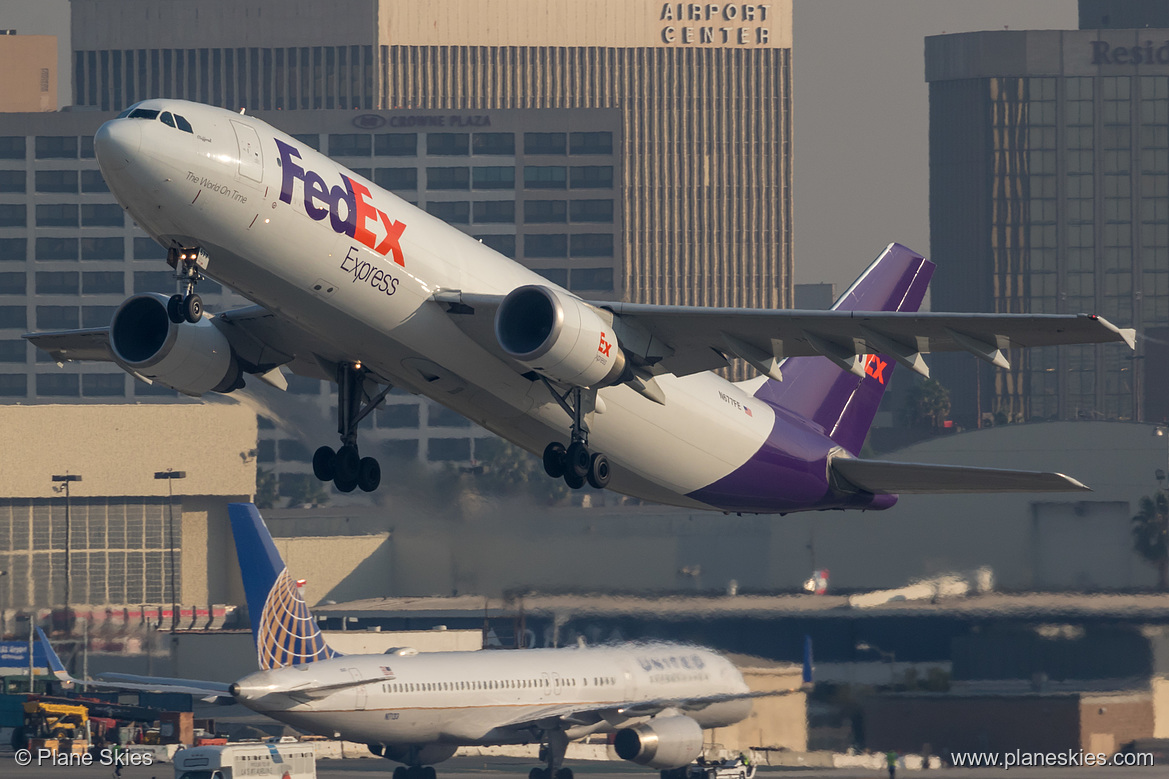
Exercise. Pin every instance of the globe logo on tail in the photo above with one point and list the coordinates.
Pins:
(288, 635)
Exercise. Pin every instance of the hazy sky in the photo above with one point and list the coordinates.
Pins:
(860, 111)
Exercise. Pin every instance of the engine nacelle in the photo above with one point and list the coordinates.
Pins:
(662, 743)
(191, 358)
(559, 336)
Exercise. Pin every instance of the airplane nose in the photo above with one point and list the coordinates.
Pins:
(116, 143)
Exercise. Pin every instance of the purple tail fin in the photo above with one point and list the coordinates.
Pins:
(836, 400)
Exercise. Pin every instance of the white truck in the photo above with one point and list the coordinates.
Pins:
(235, 761)
(733, 768)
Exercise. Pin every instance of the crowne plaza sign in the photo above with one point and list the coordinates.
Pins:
(715, 24)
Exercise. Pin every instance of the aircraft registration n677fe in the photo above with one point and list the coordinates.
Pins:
(418, 709)
(354, 285)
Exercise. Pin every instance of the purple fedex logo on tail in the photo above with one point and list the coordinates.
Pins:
(348, 206)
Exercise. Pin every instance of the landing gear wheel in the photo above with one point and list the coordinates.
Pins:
(344, 485)
(174, 309)
(369, 475)
(428, 772)
(347, 464)
(599, 474)
(192, 308)
(573, 481)
(564, 773)
(414, 772)
(324, 465)
(538, 773)
(576, 459)
(554, 464)
(400, 772)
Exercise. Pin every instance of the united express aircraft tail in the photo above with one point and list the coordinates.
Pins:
(283, 629)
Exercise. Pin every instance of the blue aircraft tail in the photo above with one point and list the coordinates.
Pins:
(282, 626)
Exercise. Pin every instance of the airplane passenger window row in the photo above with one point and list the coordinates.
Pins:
(493, 684)
(166, 117)
(603, 681)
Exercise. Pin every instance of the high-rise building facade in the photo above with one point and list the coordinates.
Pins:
(1049, 193)
(703, 90)
(29, 65)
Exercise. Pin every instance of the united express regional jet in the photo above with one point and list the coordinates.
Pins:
(417, 709)
(354, 285)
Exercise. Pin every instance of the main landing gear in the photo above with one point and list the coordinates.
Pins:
(346, 468)
(186, 306)
(415, 772)
(575, 463)
(552, 753)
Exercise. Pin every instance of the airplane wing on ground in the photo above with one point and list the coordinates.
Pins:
(688, 339)
(202, 689)
(882, 477)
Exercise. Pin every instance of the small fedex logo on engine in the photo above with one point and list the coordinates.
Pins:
(347, 205)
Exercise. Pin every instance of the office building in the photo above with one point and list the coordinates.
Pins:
(703, 91)
(29, 65)
(1049, 193)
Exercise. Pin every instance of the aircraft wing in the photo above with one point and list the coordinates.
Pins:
(202, 689)
(688, 339)
(91, 343)
(882, 477)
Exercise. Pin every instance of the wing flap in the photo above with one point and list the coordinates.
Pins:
(882, 477)
(91, 343)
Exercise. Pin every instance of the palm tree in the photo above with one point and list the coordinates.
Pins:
(1150, 533)
(927, 404)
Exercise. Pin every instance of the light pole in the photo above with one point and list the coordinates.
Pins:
(66, 479)
(1160, 431)
(170, 475)
(3, 604)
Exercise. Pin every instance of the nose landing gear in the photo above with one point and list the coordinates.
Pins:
(345, 467)
(186, 306)
(575, 463)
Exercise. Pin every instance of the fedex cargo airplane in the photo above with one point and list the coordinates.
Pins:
(354, 285)
(418, 709)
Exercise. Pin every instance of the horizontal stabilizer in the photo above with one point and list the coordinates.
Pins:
(882, 477)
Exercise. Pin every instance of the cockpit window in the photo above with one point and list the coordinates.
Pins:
(167, 119)
(184, 125)
(144, 113)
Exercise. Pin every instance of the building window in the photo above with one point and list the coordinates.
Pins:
(57, 215)
(440, 416)
(493, 143)
(399, 179)
(493, 177)
(13, 215)
(405, 449)
(13, 249)
(545, 211)
(57, 282)
(545, 176)
(13, 316)
(103, 384)
(100, 281)
(396, 145)
(56, 181)
(293, 451)
(448, 178)
(590, 143)
(12, 147)
(56, 249)
(101, 215)
(398, 415)
(112, 248)
(495, 212)
(97, 316)
(58, 317)
(448, 449)
(544, 143)
(455, 212)
(13, 385)
(592, 211)
(56, 147)
(87, 147)
(555, 245)
(591, 177)
(15, 350)
(311, 140)
(13, 283)
(350, 145)
(148, 249)
(92, 182)
(447, 144)
(153, 281)
(557, 276)
(58, 384)
(592, 245)
(592, 279)
(12, 181)
(504, 244)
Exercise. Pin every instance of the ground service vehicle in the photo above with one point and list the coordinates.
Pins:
(282, 761)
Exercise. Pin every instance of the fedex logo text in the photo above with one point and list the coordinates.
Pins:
(605, 346)
(348, 206)
(875, 367)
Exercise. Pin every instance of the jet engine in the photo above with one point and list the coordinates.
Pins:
(559, 336)
(191, 358)
(662, 743)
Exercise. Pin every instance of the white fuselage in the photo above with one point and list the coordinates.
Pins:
(370, 297)
(462, 698)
